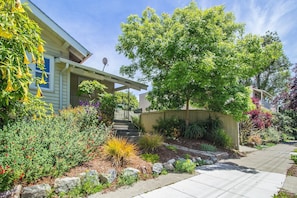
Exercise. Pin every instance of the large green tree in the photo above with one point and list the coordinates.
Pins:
(275, 77)
(194, 55)
(127, 99)
(19, 37)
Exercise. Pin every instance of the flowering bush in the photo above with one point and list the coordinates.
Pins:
(260, 118)
(6, 178)
(51, 146)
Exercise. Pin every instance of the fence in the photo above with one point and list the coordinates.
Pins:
(149, 119)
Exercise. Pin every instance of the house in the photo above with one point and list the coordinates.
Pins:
(264, 98)
(64, 59)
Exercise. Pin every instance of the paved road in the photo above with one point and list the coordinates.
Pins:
(260, 174)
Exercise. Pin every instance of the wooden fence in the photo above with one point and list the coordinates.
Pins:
(231, 127)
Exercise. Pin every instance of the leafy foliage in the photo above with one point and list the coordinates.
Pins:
(170, 128)
(150, 142)
(124, 180)
(195, 131)
(7, 178)
(51, 146)
(19, 38)
(294, 158)
(119, 150)
(126, 100)
(194, 55)
(208, 147)
(185, 165)
(149, 157)
(270, 135)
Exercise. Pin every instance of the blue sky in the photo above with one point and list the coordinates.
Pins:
(96, 23)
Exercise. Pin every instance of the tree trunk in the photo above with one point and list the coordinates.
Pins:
(187, 113)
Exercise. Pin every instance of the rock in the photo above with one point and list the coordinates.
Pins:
(36, 191)
(222, 155)
(143, 170)
(108, 177)
(172, 161)
(214, 159)
(197, 159)
(130, 172)
(6, 194)
(66, 184)
(17, 192)
(208, 162)
(168, 166)
(90, 176)
(157, 168)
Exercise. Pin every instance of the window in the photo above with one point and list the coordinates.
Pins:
(48, 69)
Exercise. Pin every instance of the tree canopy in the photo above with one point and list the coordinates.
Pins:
(194, 55)
(126, 99)
(276, 75)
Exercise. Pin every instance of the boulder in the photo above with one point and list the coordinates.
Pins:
(90, 176)
(36, 191)
(172, 161)
(157, 168)
(130, 172)
(108, 177)
(208, 162)
(168, 166)
(66, 184)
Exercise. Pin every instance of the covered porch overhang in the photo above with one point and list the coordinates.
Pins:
(89, 72)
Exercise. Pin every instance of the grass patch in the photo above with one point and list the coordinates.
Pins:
(153, 158)
(208, 147)
(172, 148)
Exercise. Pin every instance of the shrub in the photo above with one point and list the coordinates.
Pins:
(170, 128)
(171, 147)
(195, 131)
(222, 139)
(137, 123)
(153, 158)
(255, 139)
(270, 135)
(50, 146)
(212, 126)
(183, 165)
(119, 150)
(124, 180)
(208, 147)
(294, 158)
(6, 178)
(260, 118)
(150, 143)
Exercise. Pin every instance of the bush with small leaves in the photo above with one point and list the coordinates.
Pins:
(195, 131)
(153, 158)
(185, 165)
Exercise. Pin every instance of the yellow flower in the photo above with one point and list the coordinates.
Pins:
(28, 73)
(25, 99)
(33, 58)
(39, 92)
(26, 59)
(19, 74)
(40, 48)
(5, 34)
(9, 87)
(42, 81)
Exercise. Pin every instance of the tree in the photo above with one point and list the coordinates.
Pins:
(125, 98)
(194, 55)
(19, 37)
(276, 75)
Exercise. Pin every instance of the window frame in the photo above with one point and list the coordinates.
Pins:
(51, 74)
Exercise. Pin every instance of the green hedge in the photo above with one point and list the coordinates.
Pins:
(51, 146)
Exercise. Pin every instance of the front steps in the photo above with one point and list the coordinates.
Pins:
(126, 129)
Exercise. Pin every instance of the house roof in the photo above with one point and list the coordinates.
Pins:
(100, 75)
(76, 49)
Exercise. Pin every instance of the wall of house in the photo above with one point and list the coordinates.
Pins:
(149, 119)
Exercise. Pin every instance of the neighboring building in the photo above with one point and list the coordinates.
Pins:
(63, 64)
(264, 98)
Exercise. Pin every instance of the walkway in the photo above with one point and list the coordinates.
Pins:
(260, 174)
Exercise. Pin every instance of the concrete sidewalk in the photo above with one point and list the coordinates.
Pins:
(260, 174)
(223, 180)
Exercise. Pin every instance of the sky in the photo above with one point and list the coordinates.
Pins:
(96, 24)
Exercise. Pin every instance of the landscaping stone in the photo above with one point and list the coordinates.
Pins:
(214, 159)
(130, 172)
(197, 159)
(6, 194)
(66, 184)
(36, 191)
(108, 177)
(91, 176)
(208, 162)
(157, 168)
(172, 161)
(17, 191)
(168, 166)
